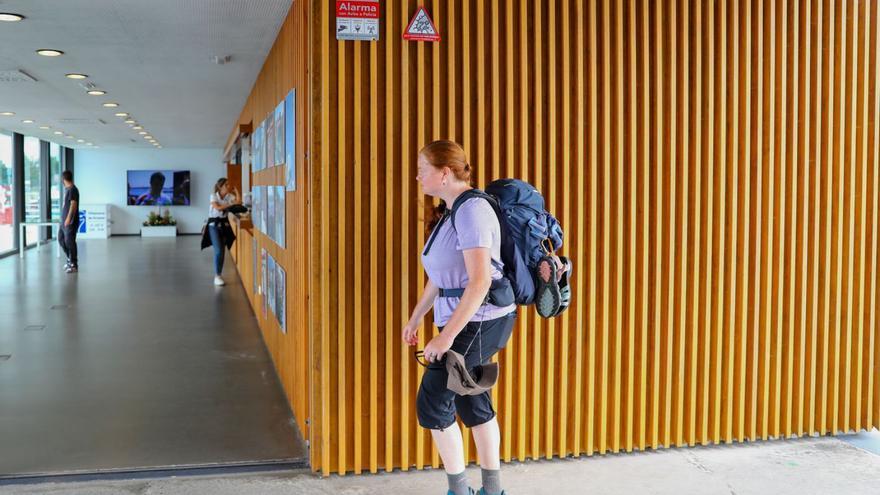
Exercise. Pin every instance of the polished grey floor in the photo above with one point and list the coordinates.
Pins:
(136, 362)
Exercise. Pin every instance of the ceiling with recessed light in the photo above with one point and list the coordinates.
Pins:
(156, 59)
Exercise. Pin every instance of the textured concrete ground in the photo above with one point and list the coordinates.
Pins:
(804, 466)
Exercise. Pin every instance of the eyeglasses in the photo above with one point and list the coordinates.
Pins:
(420, 358)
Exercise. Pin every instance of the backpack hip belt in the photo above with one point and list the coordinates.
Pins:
(500, 293)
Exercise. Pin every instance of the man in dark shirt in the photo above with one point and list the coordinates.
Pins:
(69, 222)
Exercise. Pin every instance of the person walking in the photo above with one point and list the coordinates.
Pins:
(461, 252)
(69, 222)
(218, 230)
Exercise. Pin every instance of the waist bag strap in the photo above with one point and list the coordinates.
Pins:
(500, 293)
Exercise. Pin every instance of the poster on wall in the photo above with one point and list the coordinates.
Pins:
(270, 206)
(264, 281)
(257, 148)
(279, 134)
(280, 214)
(262, 165)
(255, 207)
(270, 140)
(281, 297)
(290, 138)
(263, 208)
(255, 267)
(272, 291)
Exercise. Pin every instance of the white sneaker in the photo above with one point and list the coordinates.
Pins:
(218, 280)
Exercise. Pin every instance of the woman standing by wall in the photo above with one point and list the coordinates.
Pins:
(218, 230)
(464, 255)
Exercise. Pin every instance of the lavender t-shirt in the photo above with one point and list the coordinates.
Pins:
(475, 226)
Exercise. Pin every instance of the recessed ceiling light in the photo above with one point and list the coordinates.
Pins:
(7, 114)
(129, 121)
(80, 140)
(58, 133)
(45, 127)
(111, 105)
(89, 144)
(27, 121)
(148, 137)
(10, 17)
(137, 127)
(69, 136)
(97, 92)
(76, 76)
(121, 114)
(143, 133)
(47, 52)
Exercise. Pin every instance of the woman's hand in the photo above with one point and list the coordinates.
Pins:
(437, 347)
(411, 334)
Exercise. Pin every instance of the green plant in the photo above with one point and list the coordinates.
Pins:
(155, 219)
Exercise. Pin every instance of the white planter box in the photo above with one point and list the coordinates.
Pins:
(163, 231)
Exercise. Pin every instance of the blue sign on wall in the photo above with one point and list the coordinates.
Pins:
(82, 222)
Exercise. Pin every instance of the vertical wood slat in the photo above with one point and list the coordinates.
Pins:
(660, 220)
(861, 161)
(592, 241)
(579, 285)
(342, 285)
(618, 228)
(746, 184)
(815, 152)
(826, 293)
(646, 227)
(390, 204)
(697, 291)
(872, 415)
(633, 226)
(683, 159)
(374, 261)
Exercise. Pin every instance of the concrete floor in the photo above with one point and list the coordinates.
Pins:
(797, 467)
(137, 361)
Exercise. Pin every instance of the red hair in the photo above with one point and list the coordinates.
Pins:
(449, 154)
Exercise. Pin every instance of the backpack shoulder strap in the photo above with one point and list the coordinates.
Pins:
(470, 194)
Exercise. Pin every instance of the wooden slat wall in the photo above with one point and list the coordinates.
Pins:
(285, 68)
(715, 166)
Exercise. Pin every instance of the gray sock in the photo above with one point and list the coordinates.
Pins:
(458, 483)
(491, 481)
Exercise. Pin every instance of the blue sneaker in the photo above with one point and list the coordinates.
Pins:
(483, 492)
(470, 491)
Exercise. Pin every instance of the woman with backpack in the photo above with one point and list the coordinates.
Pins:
(462, 259)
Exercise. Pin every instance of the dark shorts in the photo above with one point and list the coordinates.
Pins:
(436, 405)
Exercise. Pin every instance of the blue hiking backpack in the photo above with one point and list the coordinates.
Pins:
(529, 233)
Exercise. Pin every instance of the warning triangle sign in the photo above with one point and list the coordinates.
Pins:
(421, 28)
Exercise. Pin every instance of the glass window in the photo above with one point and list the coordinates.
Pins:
(55, 187)
(7, 211)
(32, 186)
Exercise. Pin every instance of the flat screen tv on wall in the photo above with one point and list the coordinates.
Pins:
(158, 187)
